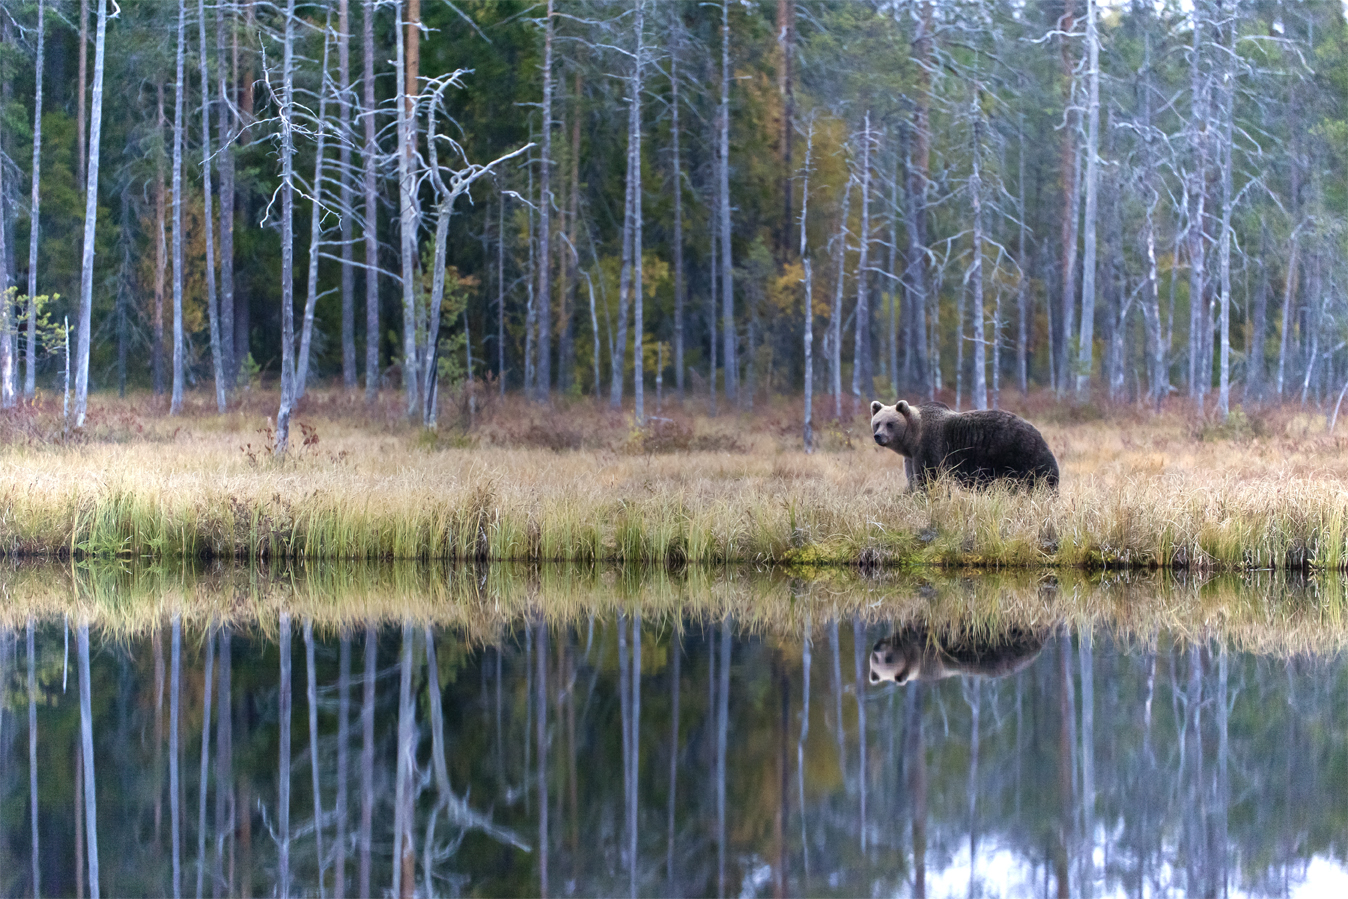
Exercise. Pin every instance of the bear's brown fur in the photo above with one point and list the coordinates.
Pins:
(914, 654)
(974, 448)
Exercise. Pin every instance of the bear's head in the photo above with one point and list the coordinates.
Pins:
(897, 659)
(896, 426)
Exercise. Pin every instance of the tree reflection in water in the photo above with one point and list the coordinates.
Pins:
(1066, 762)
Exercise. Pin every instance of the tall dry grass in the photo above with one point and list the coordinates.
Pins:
(580, 485)
(1268, 612)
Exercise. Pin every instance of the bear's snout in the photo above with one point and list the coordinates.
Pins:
(880, 438)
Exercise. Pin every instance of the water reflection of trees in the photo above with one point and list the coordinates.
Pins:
(1163, 765)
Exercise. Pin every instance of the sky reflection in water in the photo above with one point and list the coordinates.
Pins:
(611, 755)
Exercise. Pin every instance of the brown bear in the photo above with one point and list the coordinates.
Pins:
(974, 448)
(914, 655)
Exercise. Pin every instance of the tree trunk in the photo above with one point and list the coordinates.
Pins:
(1255, 378)
(500, 302)
(1152, 303)
(918, 167)
(370, 161)
(284, 697)
(311, 684)
(408, 57)
(403, 853)
(86, 711)
(638, 301)
(315, 228)
(227, 137)
(1087, 340)
(90, 224)
(809, 304)
(287, 263)
(343, 741)
(680, 288)
(203, 777)
(224, 764)
(1228, 203)
(180, 86)
(980, 385)
(1023, 261)
(728, 333)
(347, 210)
(543, 368)
(619, 350)
(81, 87)
(1199, 368)
(174, 738)
(35, 204)
(1069, 211)
(367, 757)
(7, 361)
(32, 751)
(212, 307)
(712, 307)
(1288, 301)
(834, 336)
(861, 345)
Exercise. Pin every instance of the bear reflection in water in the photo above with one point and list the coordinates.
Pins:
(915, 654)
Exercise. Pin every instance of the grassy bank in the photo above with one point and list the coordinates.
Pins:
(1269, 612)
(579, 485)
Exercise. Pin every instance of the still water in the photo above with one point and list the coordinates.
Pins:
(720, 735)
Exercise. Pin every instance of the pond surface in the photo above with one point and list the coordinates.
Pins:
(853, 747)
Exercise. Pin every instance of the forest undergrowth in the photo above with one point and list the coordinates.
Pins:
(575, 482)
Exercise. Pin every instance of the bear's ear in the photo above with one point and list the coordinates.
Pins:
(903, 408)
(876, 406)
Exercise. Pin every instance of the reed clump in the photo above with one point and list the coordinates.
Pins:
(1138, 492)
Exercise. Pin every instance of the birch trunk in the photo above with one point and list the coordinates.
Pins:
(315, 226)
(680, 288)
(808, 435)
(543, 368)
(1087, 340)
(203, 776)
(90, 224)
(728, 334)
(619, 349)
(347, 210)
(212, 301)
(1199, 369)
(834, 336)
(311, 691)
(500, 303)
(638, 303)
(980, 385)
(283, 713)
(227, 136)
(861, 345)
(367, 758)
(1022, 285)
(1228, 203)
(86, 711)
(369, 162)
(1152, 305)
(918, 168)
(180, 86)
(1069, 215)
(407, 202)
(287, 251)
(35, 205)
(1288, 301)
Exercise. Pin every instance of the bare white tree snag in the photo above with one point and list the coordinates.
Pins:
(315, 222)
(35, 204)
(408, 218)
(1196, 195)
(543, 367)
(634, 143)
(980, 385)
(176, 400)
(680, 288)
(90, 226)
(369, 162)
(86, 704)
(212, 306)
(7, 360)
(160, 251)
(728, 332)
(345, 194)
(861, 343)
(1087, 339)
(228, 134)
(808, 278)
(1228, 100)
(833, 337)
(287, 254)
